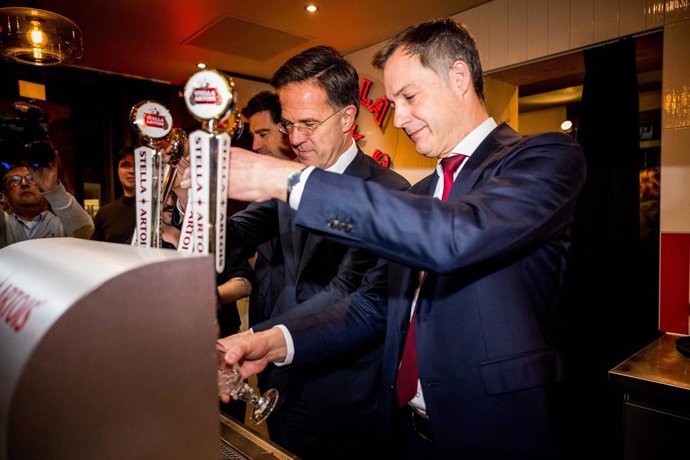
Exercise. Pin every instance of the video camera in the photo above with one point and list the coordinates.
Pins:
(24, 137)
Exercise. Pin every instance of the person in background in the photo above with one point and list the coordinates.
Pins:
(263, 114)
(39, 206)
(328, 410)
(468, 300)
(115, 221)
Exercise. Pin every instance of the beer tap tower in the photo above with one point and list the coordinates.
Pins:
(152, 122)
(211, 98)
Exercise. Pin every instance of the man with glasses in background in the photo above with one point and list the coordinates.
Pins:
(40, 207)
(328, 410)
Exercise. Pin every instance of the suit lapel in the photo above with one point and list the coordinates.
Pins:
(288, 241)
(500, 139)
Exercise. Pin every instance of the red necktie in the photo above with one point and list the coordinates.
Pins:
(408, 375)
(450, 165)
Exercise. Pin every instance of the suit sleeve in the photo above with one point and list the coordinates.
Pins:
(525, 199)
(249, 228)
(351, 268)
(354, 321)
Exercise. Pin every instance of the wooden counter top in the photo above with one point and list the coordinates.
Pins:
(658, 363)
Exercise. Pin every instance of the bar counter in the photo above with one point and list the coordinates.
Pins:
(656, 400)
(239, 442)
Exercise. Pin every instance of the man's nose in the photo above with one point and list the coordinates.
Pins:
(297, 138)
(400, 116)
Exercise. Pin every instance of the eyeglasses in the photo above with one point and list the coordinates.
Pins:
(305, 128)
(14, 181)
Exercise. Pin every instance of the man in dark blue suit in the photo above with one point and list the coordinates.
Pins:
(318, 92)
(467, 290)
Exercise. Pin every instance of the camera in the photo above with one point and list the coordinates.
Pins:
(24, 137)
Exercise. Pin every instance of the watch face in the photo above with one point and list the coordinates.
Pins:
(209, 95)
(150, 120)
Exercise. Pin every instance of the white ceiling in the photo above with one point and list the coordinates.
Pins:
(165, 39)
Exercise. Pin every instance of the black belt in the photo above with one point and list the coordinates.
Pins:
(421, 425)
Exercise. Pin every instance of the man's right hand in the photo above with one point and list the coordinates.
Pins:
(254, 177)
(258, 177)
(253, 351)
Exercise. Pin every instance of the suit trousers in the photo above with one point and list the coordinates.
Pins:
(409, 440)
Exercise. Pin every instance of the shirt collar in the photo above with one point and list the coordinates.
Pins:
(344, 159)
(30, 225)
(469, 143)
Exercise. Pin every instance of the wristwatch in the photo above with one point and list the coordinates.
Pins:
(293, 180)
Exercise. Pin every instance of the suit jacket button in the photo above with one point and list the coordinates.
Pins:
(333, 223)
(347, 228)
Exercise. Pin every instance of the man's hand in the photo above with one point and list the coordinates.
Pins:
(258, 177)
(251, 351)
(254, 177)
(46, 177)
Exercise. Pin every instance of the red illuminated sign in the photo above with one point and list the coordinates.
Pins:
(378, 109)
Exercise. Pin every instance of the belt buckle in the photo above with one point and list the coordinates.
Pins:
(421, 425)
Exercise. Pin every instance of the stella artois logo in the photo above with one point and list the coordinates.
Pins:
(205, 95)
(154, 120)
(151, 120)
(209, 95)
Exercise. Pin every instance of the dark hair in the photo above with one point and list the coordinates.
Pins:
(265, 101)
(123, 153)
(438, 43)
(326, 67)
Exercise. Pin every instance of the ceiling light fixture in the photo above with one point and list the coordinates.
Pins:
(567, 126)
(311, 8)
(39, 37)
(201, 65)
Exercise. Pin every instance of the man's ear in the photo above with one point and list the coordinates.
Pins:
(459, 76)
(348, 117)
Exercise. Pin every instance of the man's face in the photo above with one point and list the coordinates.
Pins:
(22, 193)
(306, 102)
(427, 107)
(125, 172)
(268, 140)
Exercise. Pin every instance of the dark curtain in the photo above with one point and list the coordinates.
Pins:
(605, 319)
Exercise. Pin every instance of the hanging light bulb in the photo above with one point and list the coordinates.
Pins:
(36, 36)
(39, 37)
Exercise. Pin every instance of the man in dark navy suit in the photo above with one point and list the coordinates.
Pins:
(318, 92)
(473, 258)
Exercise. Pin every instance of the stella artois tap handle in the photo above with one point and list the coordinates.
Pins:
(152, 122)
(210, 97)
